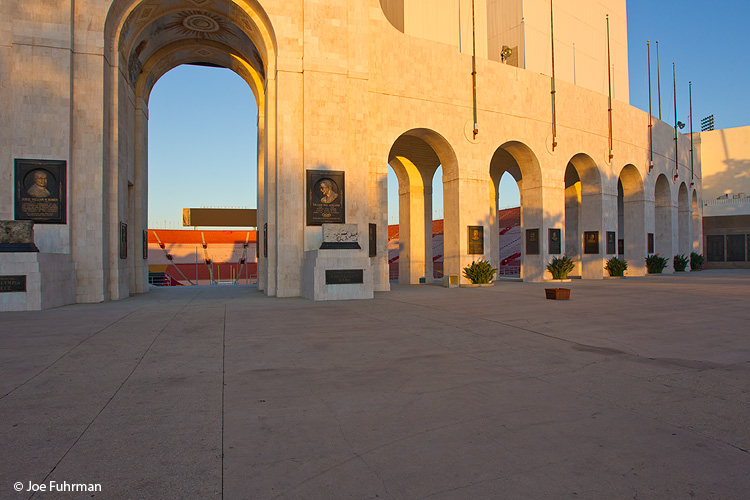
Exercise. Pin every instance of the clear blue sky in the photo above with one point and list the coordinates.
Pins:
(202, 127)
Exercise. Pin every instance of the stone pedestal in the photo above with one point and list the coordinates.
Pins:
(50, 280)
(340, 269)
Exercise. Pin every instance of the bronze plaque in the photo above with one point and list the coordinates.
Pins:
(555, 245)
(265, 239)
(40, 191)
(13, 283)
(325, 197)
(611, 242)
(123, 240)
(476, 240)
(532, 242)
(650, 243)
(373, 240)
(145, 244)
(344, 276)
(591, 242)
(621, 247)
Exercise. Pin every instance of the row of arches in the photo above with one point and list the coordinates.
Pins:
(631, 219)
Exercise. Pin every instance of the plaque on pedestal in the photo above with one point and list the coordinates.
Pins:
(39, 191)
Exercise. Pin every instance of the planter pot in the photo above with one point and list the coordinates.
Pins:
(559, 280)
(557, 293)
(475, 285)
(614, 277)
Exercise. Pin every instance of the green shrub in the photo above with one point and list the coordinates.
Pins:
(680, 262)
(480, 272)
(559, 267)
(655, 264)
(696, 261)
(616, 267)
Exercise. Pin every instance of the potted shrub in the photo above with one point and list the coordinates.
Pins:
(680, 263)
(480, 272)
(559, 267)
(616, 267)
(655, 264)
(696, 261)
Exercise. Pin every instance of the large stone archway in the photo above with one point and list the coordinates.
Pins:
(584, 213)
(518, 160)
(631, 219)
(414, 157)
(145, 41)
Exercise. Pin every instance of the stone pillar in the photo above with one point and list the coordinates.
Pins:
(286, 214)
(412, 231)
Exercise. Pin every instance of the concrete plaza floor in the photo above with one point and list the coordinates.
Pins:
(635, 388)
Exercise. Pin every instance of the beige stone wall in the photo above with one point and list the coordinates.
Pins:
(342, 85)
(725, 159)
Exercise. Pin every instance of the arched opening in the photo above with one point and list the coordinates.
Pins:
(697, 238)
(508, 260)
(583, 216)
(143, 41)
(518, 161)
(415, 158)
(202, 137)
(631, 241)
(684, 239)
(663, 219)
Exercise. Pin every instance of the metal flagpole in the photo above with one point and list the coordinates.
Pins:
(674, 93)
(609, 80)
(650, 117)
(658, 77)
(474, 68)
(552, 37)
(690, 86)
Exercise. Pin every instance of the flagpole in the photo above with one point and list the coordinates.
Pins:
(690, 84)
(554, 110)
(609, 80)
(658, 77)
(650, 116)
(674, 93)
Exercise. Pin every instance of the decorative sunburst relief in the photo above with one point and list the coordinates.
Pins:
(200, 25)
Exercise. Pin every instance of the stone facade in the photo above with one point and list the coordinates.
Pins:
(339, 88)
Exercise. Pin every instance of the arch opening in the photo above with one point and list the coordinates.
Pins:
(517, 161)
(144, 41)
(631, 213)
(663, 219)
(415, 158)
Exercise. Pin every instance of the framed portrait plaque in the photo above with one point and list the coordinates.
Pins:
(555, 245)
(476, 240)
(373, 237)
(325, 197)
(611, 242)
(532, 242)
(123, 240)
(591, 242)
(40, 193)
